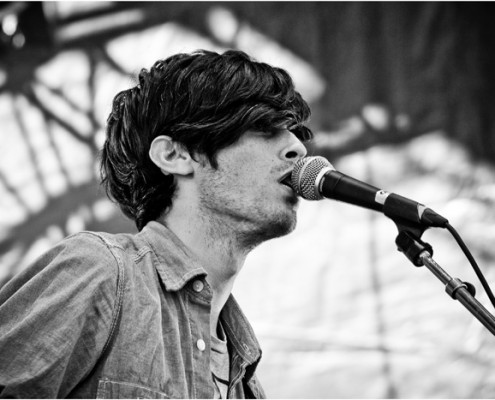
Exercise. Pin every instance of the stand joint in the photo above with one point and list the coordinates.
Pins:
(455, 284)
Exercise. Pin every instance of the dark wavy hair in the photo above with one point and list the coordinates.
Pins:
(203, 100)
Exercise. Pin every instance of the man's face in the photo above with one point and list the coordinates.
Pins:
(245, 192)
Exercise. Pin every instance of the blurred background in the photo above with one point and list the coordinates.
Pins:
(402, 97)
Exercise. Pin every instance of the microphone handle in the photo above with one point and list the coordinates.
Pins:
(397, 206)
(338, 186)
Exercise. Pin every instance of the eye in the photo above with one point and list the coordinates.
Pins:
(273, 132)
(302, 132)
(269, 133)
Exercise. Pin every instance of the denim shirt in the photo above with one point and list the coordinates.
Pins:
(118, 316)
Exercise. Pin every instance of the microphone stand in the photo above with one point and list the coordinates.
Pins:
(420, 253)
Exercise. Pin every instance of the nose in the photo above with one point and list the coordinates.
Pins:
(293, 150)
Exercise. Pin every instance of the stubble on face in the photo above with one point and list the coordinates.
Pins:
(244, 207)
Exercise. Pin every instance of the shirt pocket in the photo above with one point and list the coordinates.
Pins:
(108, 389)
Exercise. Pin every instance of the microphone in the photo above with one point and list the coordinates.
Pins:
(314, 178)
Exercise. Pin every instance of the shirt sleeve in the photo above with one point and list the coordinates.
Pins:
(56, 317)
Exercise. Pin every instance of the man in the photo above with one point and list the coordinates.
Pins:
(197, 154)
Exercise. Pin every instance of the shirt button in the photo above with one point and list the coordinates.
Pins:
(198, 286)
(201, 345)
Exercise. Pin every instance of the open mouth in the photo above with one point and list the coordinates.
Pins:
(286, 180)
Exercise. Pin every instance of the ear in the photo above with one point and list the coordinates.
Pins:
(171, 157)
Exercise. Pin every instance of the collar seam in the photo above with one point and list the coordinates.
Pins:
(170, 283)
(250, 359)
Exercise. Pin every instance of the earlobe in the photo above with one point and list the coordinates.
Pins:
(171, 157)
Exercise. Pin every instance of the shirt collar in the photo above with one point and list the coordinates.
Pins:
(177, 265)
(240, 333)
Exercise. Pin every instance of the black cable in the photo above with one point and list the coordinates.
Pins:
(472, 261)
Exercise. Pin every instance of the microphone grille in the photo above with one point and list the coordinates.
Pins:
(304, 175)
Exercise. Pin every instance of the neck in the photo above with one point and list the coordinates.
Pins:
(218, 248)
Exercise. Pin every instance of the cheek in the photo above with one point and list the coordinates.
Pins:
(246, 168)
(239, 167)
(241, 176)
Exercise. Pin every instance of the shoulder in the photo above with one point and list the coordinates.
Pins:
(95, 249)
(77, 283)
(83, 254)
(60, 312)
(84, 259)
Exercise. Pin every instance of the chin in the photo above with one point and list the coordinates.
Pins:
(281, 225)
(270, 224)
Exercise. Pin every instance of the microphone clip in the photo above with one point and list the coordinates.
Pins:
(412, 247)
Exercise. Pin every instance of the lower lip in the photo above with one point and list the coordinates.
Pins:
(289, 191)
